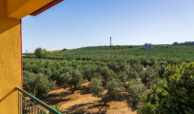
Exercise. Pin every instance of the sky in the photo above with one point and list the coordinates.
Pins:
(80, 23)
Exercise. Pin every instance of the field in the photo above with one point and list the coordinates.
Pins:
(184, 53)
(129, 52)
(103, 79)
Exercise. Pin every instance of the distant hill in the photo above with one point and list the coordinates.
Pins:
(185, 43)
(126, 52)
(105, 53)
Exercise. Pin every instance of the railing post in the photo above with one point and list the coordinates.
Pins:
(26, 104)
(18, 103)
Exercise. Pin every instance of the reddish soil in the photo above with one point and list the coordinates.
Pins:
(83, 102)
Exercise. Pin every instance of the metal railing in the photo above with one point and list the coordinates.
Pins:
(29, 104)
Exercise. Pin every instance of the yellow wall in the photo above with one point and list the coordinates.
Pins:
(11, 11)
(10, 61)
(20, 8)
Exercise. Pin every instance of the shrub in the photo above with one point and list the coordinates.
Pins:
(76, 80)
(115, 89)
(96, 87)
(29, 81)
(123, 77)
(162, 70)
(137, 67)
(136, 90)
(132, 75)
(148, 76)
(114, 66)
(88, 72)
(71, 79)
(104, 71)
(176, 95)
(43, 85)
(158, 81)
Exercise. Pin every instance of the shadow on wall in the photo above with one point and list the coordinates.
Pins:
(7, 95)
(6, 26)
(6, 23)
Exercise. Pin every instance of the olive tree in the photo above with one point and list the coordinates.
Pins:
(115, 89)
(72, 80)
(112, 91)
(37, 84)
(97, 89)
(40, 53)
(137, 90)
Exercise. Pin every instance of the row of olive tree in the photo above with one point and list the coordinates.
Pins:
(72, 73)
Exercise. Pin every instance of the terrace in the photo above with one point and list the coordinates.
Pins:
(13, 99)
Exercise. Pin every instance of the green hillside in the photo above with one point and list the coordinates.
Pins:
(185, 53)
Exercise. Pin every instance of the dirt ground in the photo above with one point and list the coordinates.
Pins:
(83, 102)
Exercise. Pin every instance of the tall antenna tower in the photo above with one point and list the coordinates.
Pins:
(110, 41)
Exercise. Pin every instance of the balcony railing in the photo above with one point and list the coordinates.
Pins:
(29, 104)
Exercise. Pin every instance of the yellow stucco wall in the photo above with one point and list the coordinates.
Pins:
(11, 11)
(10, 61)
(20, 8)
